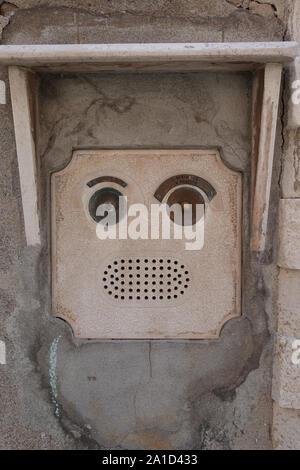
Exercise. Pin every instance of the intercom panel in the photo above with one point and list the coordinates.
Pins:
(138, 282)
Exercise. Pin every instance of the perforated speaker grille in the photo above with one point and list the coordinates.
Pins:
(146, 279)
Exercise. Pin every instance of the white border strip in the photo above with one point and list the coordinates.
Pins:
(261, 52)
(19, 89)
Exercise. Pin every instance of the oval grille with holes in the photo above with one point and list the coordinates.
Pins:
(146, 279)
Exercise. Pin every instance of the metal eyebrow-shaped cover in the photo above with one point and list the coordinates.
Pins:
(185, 179)
(104, 179)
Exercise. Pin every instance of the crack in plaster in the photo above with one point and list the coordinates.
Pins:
(282, 121)
(296, 161)
(159, 14)
(246, 5)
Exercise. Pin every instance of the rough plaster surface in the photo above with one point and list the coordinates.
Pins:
(286, 376)
(55, 21)
(57, 393)
(3, 22)
(289, 302)
(18, 376)
(289, 229)
(286, 425)
(293, 111)
(290, 183)
(143, 7)
(286, 421)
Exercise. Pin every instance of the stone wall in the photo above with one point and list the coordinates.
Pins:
(57, 392)
(286, 379)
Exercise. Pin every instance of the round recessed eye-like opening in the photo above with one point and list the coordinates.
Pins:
(186, 200)
(105, 196)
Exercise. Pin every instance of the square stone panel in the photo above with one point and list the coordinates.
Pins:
(141, 289)
(286, 425)
(289, 302)
(289, 229)
(286, 372)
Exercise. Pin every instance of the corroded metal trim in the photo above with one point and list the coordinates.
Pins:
(104, 179)
(187, 179)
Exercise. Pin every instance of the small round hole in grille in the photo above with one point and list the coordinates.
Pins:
(148, 279)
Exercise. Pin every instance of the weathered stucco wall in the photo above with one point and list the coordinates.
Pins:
(286, 373)
(60, 393)
(55, 21)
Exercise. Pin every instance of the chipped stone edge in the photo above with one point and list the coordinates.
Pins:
(260, 52)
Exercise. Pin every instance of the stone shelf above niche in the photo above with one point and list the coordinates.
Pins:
(263, 59)
(163, 57)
